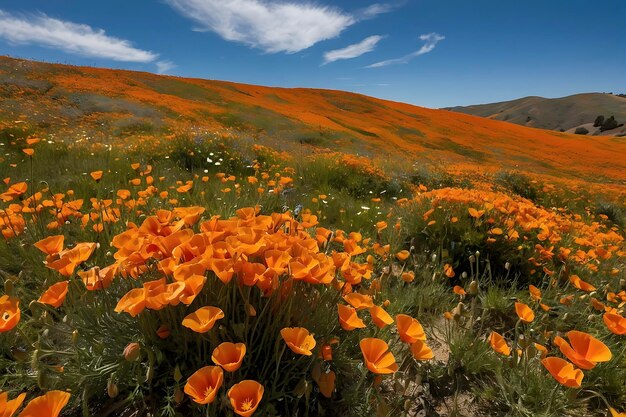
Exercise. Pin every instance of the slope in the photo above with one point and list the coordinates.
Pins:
(82, 103)
(566, 113)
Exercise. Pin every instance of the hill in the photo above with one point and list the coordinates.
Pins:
(561, 114)
(196, 248)
(83, 103)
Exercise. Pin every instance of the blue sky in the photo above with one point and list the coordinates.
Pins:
(433, 53)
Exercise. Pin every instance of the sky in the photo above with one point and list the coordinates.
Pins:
(432, 53)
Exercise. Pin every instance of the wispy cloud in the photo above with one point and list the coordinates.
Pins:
(163, 67)
(375, 9)
(430, 42)
(74, 38)
(352, 51)
(285, 26)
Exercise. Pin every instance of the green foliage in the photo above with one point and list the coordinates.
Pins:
(609, 124)
(517, 183)
(599, 121)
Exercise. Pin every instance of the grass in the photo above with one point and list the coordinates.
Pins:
(467, 377)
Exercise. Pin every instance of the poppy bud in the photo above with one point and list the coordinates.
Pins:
(590, 318)
(464, 275)
(177, 374)
(250, 310)
(522, 341)
(163, 331)
(74, 336)
(473, 287)
(19, 354)
(472, 259)
(46, 333)
(8, 286)
(622, 283)
(433, 257)
(132, 351)
(41, 379)
(507, 266)
(327, 352)
(150, 373)
(34, 360)
(398, 386)
(477, 254)
(178, 395)
(458, 310)
(301, 388)
(112, 389)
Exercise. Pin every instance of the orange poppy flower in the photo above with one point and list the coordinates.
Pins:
(245, 397)
(459, 290)
(49, 405)
(55, 295)
(409, 329)
(498, 344)
(378, 358)
(193, 286)
(29, 151)
(51, 245)
(14, 191)
(535, 293)
(9, 313)
(615, 323)
(542, 349)
(229, 355)
(380, 317)
(525, 313)
(585, 350)
(133, 302)
(580, 284)
(203, 385)
(615, 413)
(448, 271)
(563, 371)
(359, 301)
(421, 351)
(408, 277)
(348, 318)
(298, 339)
(403, 255)
(203, 319)
(9, 407)
(96, 175)
(475, 213)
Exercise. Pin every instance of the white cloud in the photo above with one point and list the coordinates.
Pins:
(431, 40)
(69, 37)
(352, 51)
(272, 26)
(163, 67)
(374, 10)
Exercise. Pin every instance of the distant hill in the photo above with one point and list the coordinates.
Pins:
(561, 114)
(100, 105)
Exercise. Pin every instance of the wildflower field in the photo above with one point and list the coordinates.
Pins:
(194, 273)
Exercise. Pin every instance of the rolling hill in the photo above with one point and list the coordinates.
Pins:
(566, 113)
(104, 105)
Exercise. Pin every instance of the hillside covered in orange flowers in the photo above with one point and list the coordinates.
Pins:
(93, 104)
